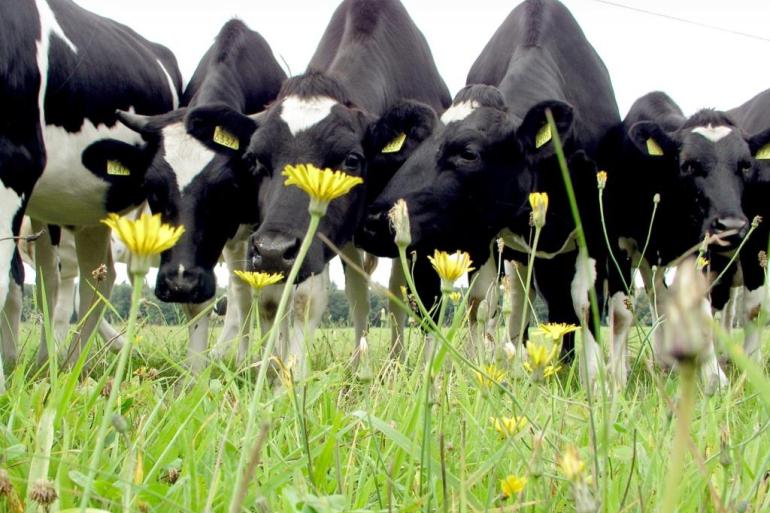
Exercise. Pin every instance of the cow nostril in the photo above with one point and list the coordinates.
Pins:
(291, 252)
(729, 224)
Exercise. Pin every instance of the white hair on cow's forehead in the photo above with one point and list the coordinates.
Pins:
(459, 111)
(302, 113)
(186, 155)
(713, 133)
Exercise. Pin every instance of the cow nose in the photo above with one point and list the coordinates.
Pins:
(734, 225)
(274, 251)
(180, 285)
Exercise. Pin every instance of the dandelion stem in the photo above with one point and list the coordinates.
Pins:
(528, 284)
(240, 475)
(681, 436)
(117, 380)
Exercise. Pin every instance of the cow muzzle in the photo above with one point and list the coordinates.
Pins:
(729, 231)
(273, 252)
(180, 285)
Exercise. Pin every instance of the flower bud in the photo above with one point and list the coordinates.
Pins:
(399, 221)
(43, 492)
(539, 203)
(683, 336)
(601, 179)
(482, 312)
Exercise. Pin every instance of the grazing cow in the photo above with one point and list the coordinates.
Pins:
(191, 185)
(470, 180)
(64, 71)
(371, 65)
(696, 168)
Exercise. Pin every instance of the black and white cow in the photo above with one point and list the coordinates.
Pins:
(63, 73)
(470, 180)
(697, 168)
(191, 185)
(372, 63)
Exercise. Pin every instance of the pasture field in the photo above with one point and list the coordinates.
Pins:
(397, 442)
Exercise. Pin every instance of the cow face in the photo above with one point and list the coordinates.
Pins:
(310, 123)
(469, 179)
(711, 163)
(191, 185)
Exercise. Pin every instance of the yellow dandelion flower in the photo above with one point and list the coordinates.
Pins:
(539, 203)
(701, 263)
(508, 426)
(489, 376)
(144, 237)
(555, 330)
(539, 360)
(601, 179)
(571, 465)
(259, 280)
(322, 185)
(450, 267)
(455, 297)
(512, 485)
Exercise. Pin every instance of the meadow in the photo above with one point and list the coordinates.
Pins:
(396, 442)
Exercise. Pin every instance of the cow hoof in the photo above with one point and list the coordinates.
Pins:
(714, 381)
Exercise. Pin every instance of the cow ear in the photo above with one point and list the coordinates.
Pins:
(221, 128)
(535, 134)
(652, 140)
(759, 144)
(118, 162)
(393, 137)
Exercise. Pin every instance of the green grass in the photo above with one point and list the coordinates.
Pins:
(337, 444)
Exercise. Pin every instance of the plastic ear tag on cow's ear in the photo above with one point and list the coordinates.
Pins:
(396, 144)
(224, 138)
(763, 153)
(653, 148)
(543, 136)
(115, 168)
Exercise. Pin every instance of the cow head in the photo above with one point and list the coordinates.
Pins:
(470, 178)
(189, 184)
(313, 122)
(710, 162)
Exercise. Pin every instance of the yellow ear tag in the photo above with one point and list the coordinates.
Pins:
(543, 136)
(653, 148)
(763, 153)
(224, 138)
(396, 144)
(115, 168)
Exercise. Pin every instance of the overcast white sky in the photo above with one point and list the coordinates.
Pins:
(696, 63)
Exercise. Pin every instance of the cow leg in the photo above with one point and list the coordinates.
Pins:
(237, 324)
(483, 288)
(516, 274)
(92, 246)
(68, 272)
(621, 319)
(712, 374)
(9, 327)
(198, 334)
(309, 303)
(46, 284)
(583, 281)
(357, 293)
(397, 312)
(754, 303)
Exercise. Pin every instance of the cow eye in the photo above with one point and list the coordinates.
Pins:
(745, 168)
(469, 154)
(352, 162)
(253, 164)
(690, 168)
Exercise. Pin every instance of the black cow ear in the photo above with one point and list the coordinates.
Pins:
(400, 130)
(759, 144)
(650, 138)
(535, 133)
(116, 161)
(221, 128)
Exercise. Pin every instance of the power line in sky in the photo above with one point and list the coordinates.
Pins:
(684, 20)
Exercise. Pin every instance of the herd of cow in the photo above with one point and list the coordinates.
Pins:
(95, 120)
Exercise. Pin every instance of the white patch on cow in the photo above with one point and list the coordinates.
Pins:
(10, 203)
(180, 271)
(459, 111)
(48, 26)
(67, 193)
(186, 155)
(713, 133)
(172, 87)
(754, 302)
(303, 113)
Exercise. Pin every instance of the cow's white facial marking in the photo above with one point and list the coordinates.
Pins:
(67, 193)
(172, 88)
(713, 133)
(302, 113)
(459, 111)
(185, 154)
(10, 203)
(180, 271)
